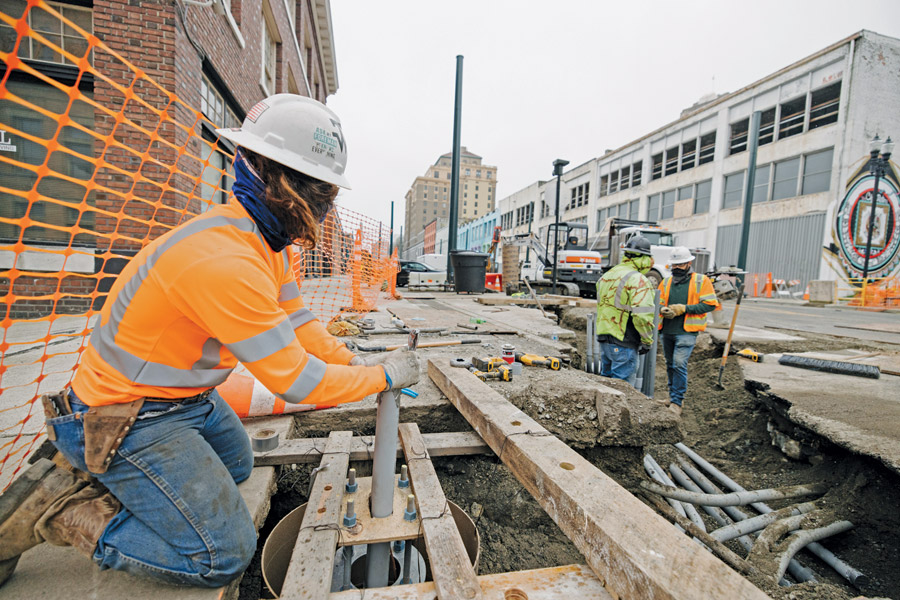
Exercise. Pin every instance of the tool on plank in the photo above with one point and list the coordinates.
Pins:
(501, 372)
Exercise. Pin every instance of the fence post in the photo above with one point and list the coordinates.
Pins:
(356, 272)
(769, 284)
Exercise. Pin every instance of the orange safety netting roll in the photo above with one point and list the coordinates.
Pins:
(89, 175)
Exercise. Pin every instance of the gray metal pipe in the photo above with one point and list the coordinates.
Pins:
(348, 562)
(384, 467)
(655, 471)
(407, 560)
(716, 513)
(692, 513)
(797, 570)
(589, 345)
(735, 498)
(808, 536)
(729, 532)
(857, 578)
(649, 385)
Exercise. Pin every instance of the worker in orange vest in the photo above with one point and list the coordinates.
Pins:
(685, 298)
(157, 453)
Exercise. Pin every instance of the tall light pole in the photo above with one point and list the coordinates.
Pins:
(878, 166)
(391, 242)
(558, 165)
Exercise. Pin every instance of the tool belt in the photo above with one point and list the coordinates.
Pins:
(105, 427)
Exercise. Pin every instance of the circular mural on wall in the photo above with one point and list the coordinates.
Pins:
(852, 227)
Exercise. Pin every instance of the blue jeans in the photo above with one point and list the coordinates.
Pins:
(618, 362)
(182, 520)
(677, 348)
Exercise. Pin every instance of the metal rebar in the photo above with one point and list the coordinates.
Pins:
(857, 578)
(797, 570)
(407, 561)
(348, 562)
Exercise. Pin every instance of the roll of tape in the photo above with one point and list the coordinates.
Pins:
(264, 440)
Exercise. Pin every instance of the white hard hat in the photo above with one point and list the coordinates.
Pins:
(297, 132)
(680, 255)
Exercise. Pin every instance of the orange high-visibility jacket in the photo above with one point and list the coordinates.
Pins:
(700, 290)
(200, 298)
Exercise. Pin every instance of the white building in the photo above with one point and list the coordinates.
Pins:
(817, 117)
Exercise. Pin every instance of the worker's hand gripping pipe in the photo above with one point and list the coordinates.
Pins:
(387, 424)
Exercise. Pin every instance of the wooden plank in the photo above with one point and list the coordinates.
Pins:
(310, 570)
(452, 571)
(634, 550)
(308, 450)
(569, 582)
(370, 530)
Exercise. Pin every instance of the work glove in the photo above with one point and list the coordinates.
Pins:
(644, 349)
(357, 361)
(665, 312)
(369, 361)
(401, 369)
(677, 309)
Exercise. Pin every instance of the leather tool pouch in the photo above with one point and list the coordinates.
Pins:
(55, 405)
(104, 429)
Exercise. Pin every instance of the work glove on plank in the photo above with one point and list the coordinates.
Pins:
(401, 369)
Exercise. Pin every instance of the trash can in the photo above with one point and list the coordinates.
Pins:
(469, 270)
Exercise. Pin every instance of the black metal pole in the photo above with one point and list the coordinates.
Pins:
(558, 165)
(752, 145)
(454, 168)
(391, 242)
(530, 221)
(865, 274)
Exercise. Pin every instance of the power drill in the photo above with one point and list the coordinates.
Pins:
(536, 360)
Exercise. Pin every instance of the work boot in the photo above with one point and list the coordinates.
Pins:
(675, 408)
(47, 503)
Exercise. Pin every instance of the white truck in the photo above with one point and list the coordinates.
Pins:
(611, 239)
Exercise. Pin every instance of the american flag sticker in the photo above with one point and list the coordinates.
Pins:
(257, 110)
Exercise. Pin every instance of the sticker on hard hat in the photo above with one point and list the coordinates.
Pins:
(326, 142)
(257, 110)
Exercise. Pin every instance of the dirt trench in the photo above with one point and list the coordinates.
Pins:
(728, 427)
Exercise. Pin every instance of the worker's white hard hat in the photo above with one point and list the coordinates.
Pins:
(297, 132)
(680, 255)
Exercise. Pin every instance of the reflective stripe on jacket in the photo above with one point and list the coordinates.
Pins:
(700, 290)
(623, 292)
(198, 299)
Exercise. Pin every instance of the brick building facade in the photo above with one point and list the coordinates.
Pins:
(219, 59)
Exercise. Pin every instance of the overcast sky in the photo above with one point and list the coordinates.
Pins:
(546, 80)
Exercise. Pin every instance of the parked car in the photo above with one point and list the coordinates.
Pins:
(408, 266)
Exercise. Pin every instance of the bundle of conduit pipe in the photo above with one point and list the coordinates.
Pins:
(781, 533)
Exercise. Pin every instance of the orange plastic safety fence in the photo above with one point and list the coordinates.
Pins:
(90, 174)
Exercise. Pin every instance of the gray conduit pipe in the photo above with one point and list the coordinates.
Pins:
(797, 570)
(596, 351)
(653, 469)
(716, 513)
(736, 498)
(589, 345)
(857, 578)
(729, 532)
(806, 537)
(692, 513)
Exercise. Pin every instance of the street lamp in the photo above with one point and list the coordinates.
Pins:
(558, 165)
(878, 166)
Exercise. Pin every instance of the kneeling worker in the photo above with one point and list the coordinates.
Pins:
(157, 452)
(685, 298)
(625, 312)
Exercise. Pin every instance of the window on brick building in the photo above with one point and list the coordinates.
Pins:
(767, 127)
(817, 171)
(672, 160)
(792, 114)
(270, 40)
(823, 109)
(50, 28)
(734, 189)
(55, 206)
(213, 105)
(216, 179)
(657, 160)
(702, 196)
(707, 148)
(636, 173)
(739, 136)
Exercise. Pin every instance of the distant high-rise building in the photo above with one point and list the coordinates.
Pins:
(429, 197)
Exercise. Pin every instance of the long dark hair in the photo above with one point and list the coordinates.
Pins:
(299, 201)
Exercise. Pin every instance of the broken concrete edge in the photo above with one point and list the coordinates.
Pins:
(818, 427)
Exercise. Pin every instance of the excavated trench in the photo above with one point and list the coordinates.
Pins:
(730, 428)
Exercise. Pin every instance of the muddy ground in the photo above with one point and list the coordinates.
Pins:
(728, 427)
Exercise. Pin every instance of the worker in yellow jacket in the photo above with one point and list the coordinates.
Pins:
(142, 416)
(685, 298)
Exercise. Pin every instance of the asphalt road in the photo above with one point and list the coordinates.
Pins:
(782, 315)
